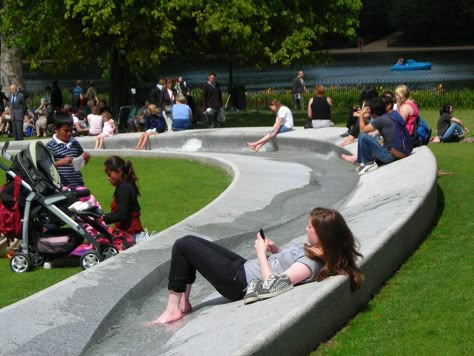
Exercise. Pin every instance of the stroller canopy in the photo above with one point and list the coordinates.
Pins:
(35, 164)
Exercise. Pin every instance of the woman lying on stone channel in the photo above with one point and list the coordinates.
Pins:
(330, 250)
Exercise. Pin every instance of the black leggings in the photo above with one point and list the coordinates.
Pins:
(223, 268)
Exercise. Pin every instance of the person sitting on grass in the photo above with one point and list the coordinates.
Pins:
(450, 128)
(283, 123)
(330, 250)
(154, 124)
(125, 209)
(369, 150)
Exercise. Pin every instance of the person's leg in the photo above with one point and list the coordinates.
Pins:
(371, 150)
(15, 127)
(257, 145)
(144, 139)
(217, 264)
(169, 121)
(453, 129)
(140, 140)
(172, 311)
(348, 158)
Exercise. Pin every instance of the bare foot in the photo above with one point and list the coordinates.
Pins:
(350, 159)
(258, 147)
(251, 145)
(347, 141)
(167, 317)
(185, 307)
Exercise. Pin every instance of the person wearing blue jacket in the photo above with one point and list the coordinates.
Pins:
(154, 124)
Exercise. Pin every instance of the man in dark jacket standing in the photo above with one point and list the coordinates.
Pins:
(212, 102)
(17, 107)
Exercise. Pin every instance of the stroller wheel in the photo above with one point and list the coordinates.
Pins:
(36, 259)
(108, 251)
(20, 263)
(90, 259)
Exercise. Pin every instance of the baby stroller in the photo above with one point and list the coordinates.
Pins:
(47, 229)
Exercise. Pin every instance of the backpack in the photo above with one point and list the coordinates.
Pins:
(403, 142)
(422, 132)
(10, 216)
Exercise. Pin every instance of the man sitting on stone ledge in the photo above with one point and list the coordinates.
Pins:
(396, 141)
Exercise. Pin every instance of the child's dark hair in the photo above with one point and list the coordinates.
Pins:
(116, 163)
(62, 119)
(446, 109)
(388, 99)
(368, 92)
(377, 106)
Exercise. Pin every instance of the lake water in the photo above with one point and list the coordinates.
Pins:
(454, 68)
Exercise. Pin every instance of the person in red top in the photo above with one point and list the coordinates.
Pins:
(125, 214)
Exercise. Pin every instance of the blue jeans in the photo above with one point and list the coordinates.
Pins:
(453, 129)
(223, 268)
(369, 149)
(283, 129)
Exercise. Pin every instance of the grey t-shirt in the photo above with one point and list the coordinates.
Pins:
(280, 262)
(386, 127)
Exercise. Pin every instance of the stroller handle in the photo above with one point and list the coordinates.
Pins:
(81, 193)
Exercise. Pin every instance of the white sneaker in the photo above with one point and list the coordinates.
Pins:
(47, 265)
(369, 167)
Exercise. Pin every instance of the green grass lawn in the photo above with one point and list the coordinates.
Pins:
(426, 308)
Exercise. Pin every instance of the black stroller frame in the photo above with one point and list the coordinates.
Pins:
(29, 256)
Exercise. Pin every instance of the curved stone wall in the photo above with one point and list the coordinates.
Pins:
(98, 311)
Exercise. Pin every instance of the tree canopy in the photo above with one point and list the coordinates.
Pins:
(130, 36)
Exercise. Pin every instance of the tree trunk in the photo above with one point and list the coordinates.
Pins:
(119, 83)
(11, 71)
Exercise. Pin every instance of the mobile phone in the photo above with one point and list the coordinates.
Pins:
(262, 234)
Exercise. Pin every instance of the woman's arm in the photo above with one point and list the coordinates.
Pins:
(276, 126)
(261, 247)
(329, 100)
(457, 121)
(405, 111)
(298, 272)
(310, 109)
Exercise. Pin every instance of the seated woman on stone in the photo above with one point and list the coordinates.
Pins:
(319, 109)
(181, 114)
(154, 124)
(450, 128)
(330, 250)
(283, 123)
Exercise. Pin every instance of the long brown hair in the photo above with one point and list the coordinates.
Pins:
(339, 248)
(116, 164)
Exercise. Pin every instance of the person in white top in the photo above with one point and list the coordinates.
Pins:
(107, 130)
(95, 122)
(283, 123)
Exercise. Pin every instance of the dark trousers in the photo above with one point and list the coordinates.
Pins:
(17, 129)
(223, 268)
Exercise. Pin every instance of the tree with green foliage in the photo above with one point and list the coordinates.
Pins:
(125, 37)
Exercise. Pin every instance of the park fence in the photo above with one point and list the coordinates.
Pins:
(252, 96)
(428, 95)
